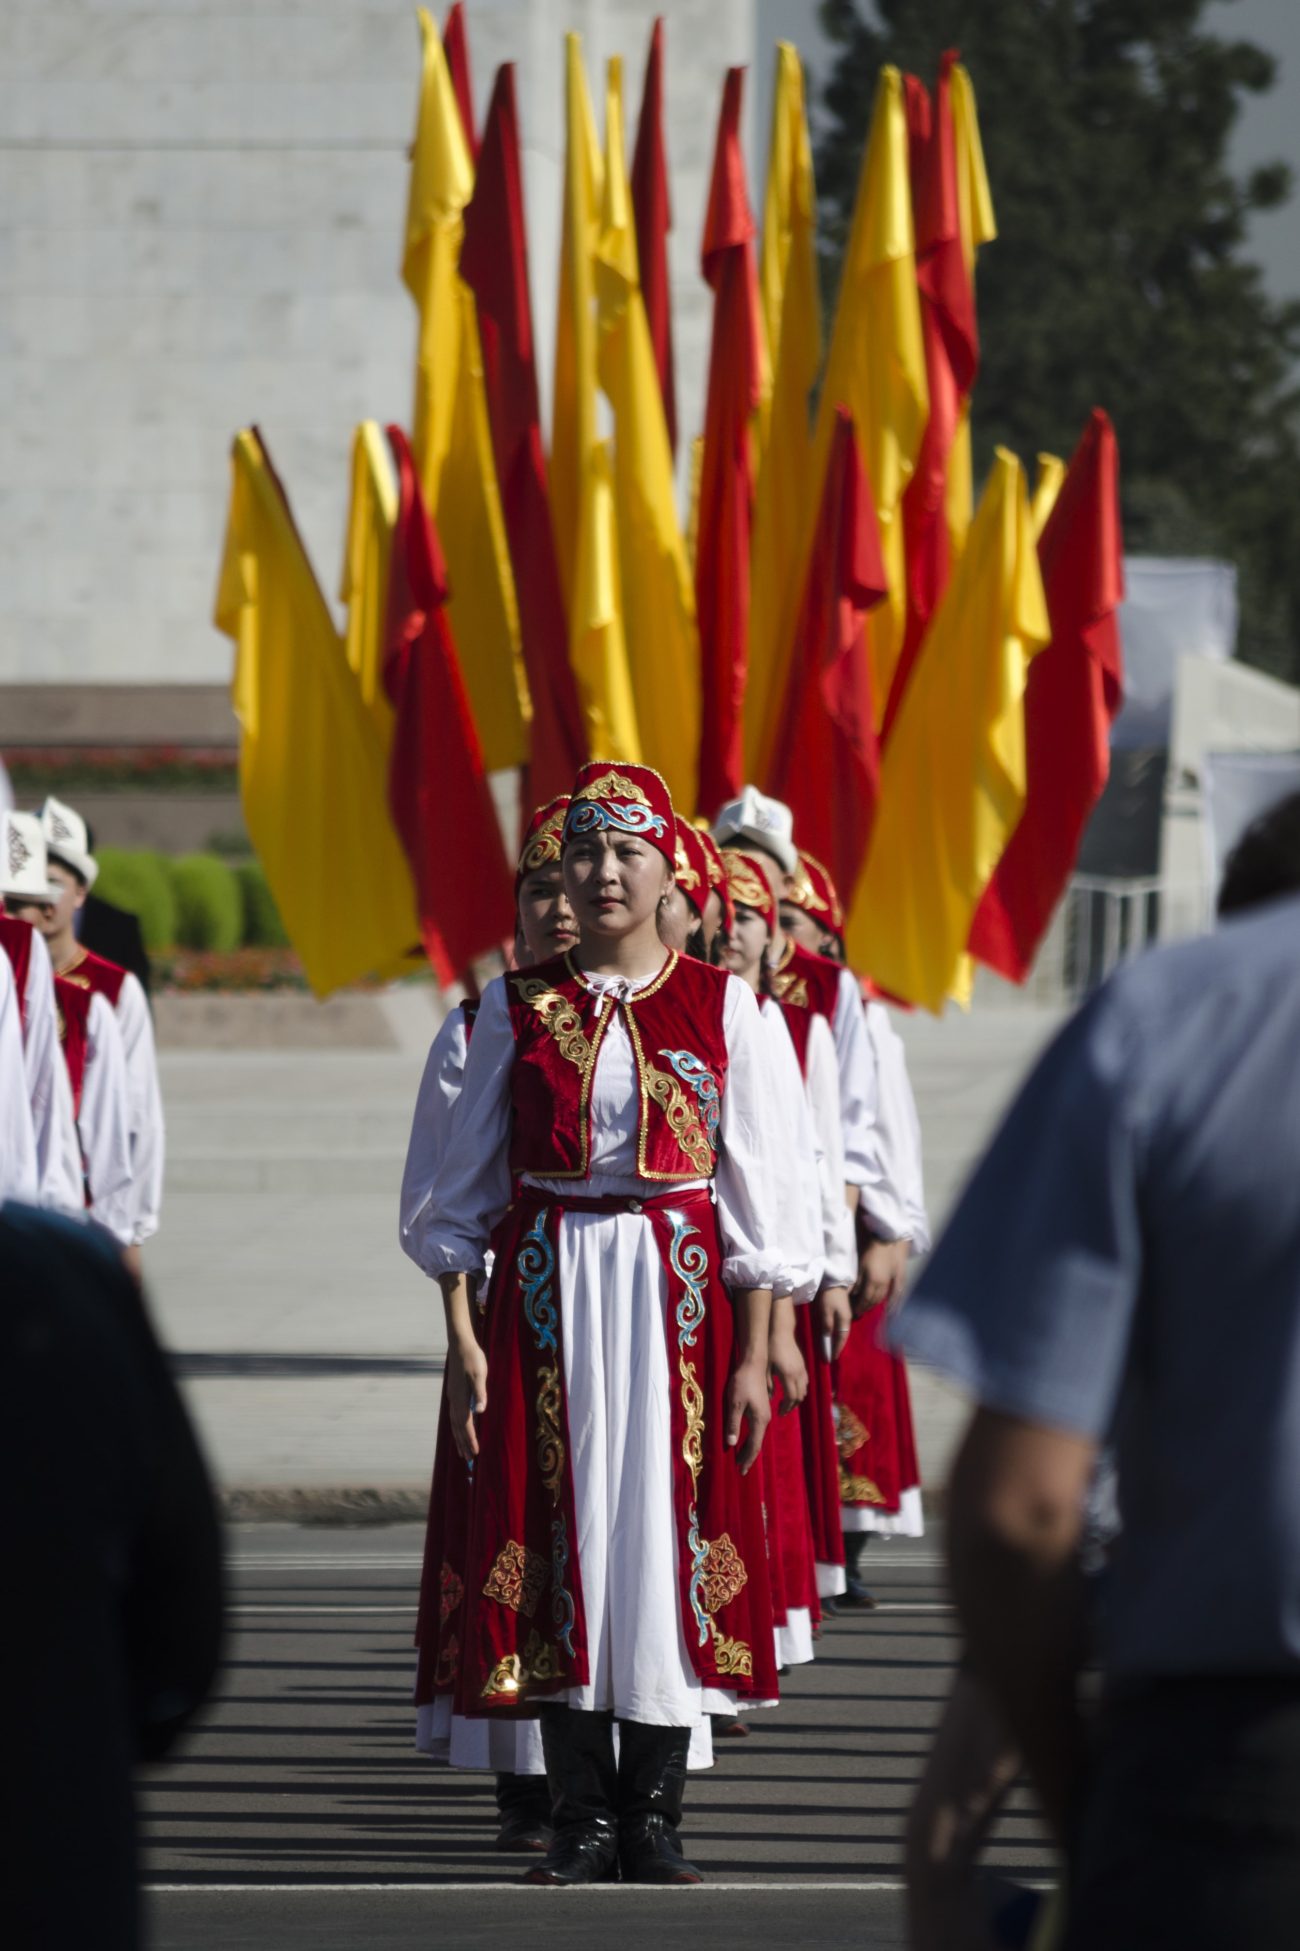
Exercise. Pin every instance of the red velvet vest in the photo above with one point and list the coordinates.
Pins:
(16, 938)
(805, 985)
(675, 1027)
(72, 1001)
(89, 971)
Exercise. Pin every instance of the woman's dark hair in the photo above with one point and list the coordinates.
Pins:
(696, 947)
(1265, 863)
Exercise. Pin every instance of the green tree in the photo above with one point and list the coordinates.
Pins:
(1121, 276)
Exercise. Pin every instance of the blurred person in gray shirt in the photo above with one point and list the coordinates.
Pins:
(1125, 1267)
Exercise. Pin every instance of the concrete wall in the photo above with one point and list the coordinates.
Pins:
(200, 226)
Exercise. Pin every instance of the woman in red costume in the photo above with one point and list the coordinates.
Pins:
(544, 927)
(619, 1402)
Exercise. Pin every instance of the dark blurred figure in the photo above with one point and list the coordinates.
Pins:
(112, 932)
(112, 1614)
(1265, 863)
(1127, 1259)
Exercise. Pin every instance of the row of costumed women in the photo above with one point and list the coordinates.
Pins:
(666, 1171)
(81, 1120)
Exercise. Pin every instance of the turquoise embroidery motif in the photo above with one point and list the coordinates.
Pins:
(536, 1264)
(697, 1077)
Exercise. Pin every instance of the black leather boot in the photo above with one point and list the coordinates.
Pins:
(524, 1808)
(855, 1596)
(651, 1783)
(583, 1780)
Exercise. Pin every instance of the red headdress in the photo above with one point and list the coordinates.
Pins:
(629, 799)
(749, 885)
(813, 890)
(692, 865)
(717, 875)
(541, 842)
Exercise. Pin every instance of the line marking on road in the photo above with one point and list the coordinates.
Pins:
(293, 1610)
(441, 1889)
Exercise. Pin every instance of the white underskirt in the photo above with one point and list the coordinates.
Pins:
(831, 1580)
(511, 1747)
(794, 1640)
(908, 1521)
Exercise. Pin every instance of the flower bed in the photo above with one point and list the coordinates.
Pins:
(211, 971)
(68, 769)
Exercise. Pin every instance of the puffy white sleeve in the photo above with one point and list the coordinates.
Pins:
(17, 1140)
(472, 1188)
(145, 1111)
(440, 1086)
(865, 1165)
(104, 1124)
(747, 1171)
(794, 1147)
(899, 1126)
(822, 1086)
(54, 1123)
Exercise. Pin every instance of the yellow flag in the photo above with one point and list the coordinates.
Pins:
(663, 651)
(363, 586)
(978, 227)
(876, 368)
(582, 493)
(952, 783)
(312, 771)
(793, 326)
(451, 435)
(1051, 475)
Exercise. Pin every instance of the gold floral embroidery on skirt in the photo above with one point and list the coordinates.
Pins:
(536, 1664)
(448, 1663)
(858, 1490)
(850, 1432)
(733, 1656)
(724, 1574)
(517, 1578)
(451, 1591)
(550, 1444)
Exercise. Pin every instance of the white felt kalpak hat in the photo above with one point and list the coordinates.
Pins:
(67, 839)
(760, 821)
(23, 871)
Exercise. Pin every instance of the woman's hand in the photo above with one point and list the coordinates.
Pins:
(834, 1318)
(747, 1397)
(879, 1271)
(465, 1381)
(783, 1357)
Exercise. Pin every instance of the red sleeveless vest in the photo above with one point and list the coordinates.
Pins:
(805, 985)
(89, 971)
(73, 1004)
(16, 938)
(675, 1027)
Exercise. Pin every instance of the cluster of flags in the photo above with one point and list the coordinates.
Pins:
(928, 683)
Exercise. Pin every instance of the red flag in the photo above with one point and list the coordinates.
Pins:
(1074, 691)
(951, 356)
(438, 792)
(726, 496)
(494, 264)
(826, 763)
(654, 219)
(455, 45)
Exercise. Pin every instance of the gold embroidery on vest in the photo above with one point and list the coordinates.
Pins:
(561, 1019)
(682, 1120)
(791, 989)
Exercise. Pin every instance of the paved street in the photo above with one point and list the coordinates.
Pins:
(299, 1813)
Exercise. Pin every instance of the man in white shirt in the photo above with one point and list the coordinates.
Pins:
(23, 880)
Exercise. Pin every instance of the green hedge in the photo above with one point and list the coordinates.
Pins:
(209, 906)
(263, 927)
(142, 884)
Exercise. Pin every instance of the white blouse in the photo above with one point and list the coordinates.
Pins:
(18, 1178)
(472, 1190)
(58, 1150)
(105, 1124)
(822, 1086)
(899, 1129)
(794, 1144)
(440, 1086)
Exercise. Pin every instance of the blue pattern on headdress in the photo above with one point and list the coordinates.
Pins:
(594, 816)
